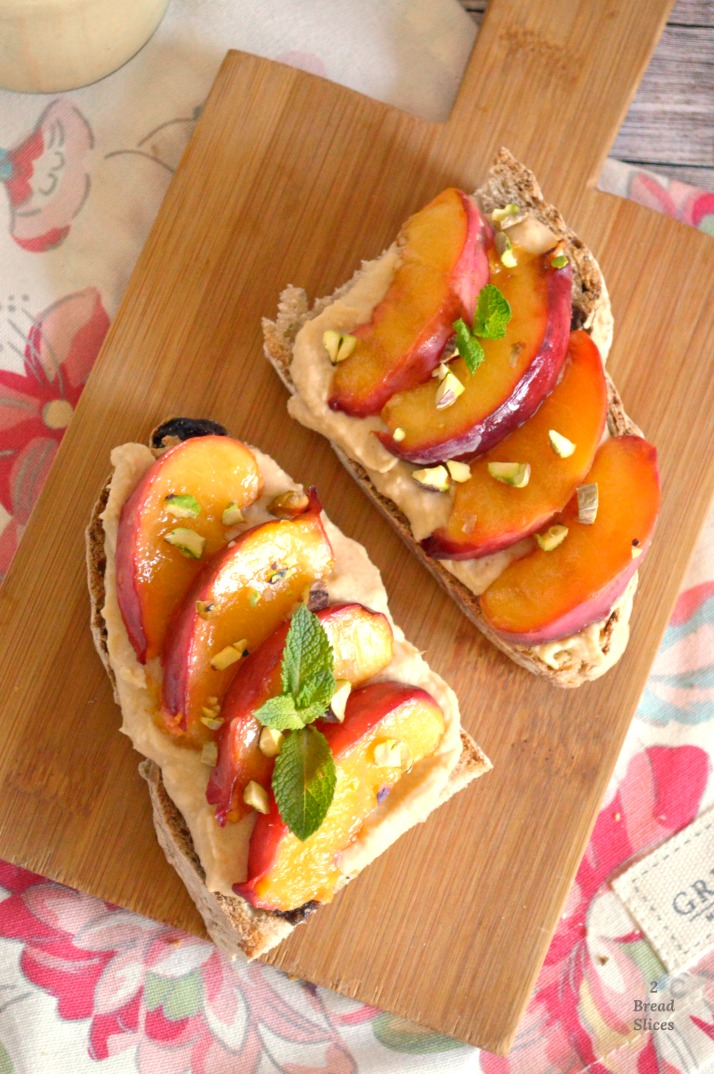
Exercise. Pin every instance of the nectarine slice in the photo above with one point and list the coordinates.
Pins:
(235, 604)
(488, 515)
(549, 595)
(362, 644)
(443, 267)
(189, 487)
(284, 872)
(517, 373)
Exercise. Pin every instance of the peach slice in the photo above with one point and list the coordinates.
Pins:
(153, 575)
(284, 872)
(549, 595)
(488, 515)
(443, 267)
(362, 644)
(517, 373)
(234, 605)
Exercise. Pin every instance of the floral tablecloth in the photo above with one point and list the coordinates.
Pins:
(87, 986)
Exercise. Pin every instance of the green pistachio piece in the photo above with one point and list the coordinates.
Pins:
(552, 537)
(433, 477)
(270, 742)
(499, 215)
(288, 504)
(516, 474)
(459, 471)
(256, 797)
(232, 515)
(232, 653)
(188, 542)
(504, 249)
(338, 345)
(182, 505)
(562, 447)
(448, 391)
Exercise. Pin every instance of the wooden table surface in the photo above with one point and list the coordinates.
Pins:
(669, 127)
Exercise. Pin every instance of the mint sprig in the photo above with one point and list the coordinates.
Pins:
(307, 671)
(304, 781)
(304, 774)
(468, 346)
(493, 313)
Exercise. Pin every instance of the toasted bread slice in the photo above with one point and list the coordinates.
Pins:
(572, 661)
(232, 923)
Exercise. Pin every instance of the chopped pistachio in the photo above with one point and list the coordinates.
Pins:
(223, 659)
(182, 505)
(560, 444)
(399, 434)
(552, 537)
(212, 722)
(459, 471)
(635, 552)
(587, 503)
(188, 542)
(499, 215)
(210, 711)
(232, 515)
(209, 754)
(205, 608)
(516, 474)
(441, 371)
(559, 261)
(256, 797)
(392, 753)
(288, 504)
(339, 699)
(448, 391)
(253, 597)
(504, 249)
(338, 345)
(433, 477)
(279, 573)
(270, 742)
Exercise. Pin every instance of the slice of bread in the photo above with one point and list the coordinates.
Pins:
(574, 660)
(232, 923)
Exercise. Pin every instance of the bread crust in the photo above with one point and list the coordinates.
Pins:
(508, 181)
(233, 924)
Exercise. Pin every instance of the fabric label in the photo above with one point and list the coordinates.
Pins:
(670, 894)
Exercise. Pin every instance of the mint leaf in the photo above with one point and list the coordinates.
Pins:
(304, 781)
(307, 670)
(468, 346)
(279, 712)
(492, 313)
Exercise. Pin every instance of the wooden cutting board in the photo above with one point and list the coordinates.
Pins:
(291, 179)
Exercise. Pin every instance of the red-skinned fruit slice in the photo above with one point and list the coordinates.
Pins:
(242, 597)
(550, 595)
(488, 515)
(443, 267)
(152, 575)
(517, 373)
(362, 644)
(285, 873)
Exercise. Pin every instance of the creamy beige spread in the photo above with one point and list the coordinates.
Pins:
(425, 510)
(223, 851)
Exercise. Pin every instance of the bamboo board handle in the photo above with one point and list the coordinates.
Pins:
(556, 71)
